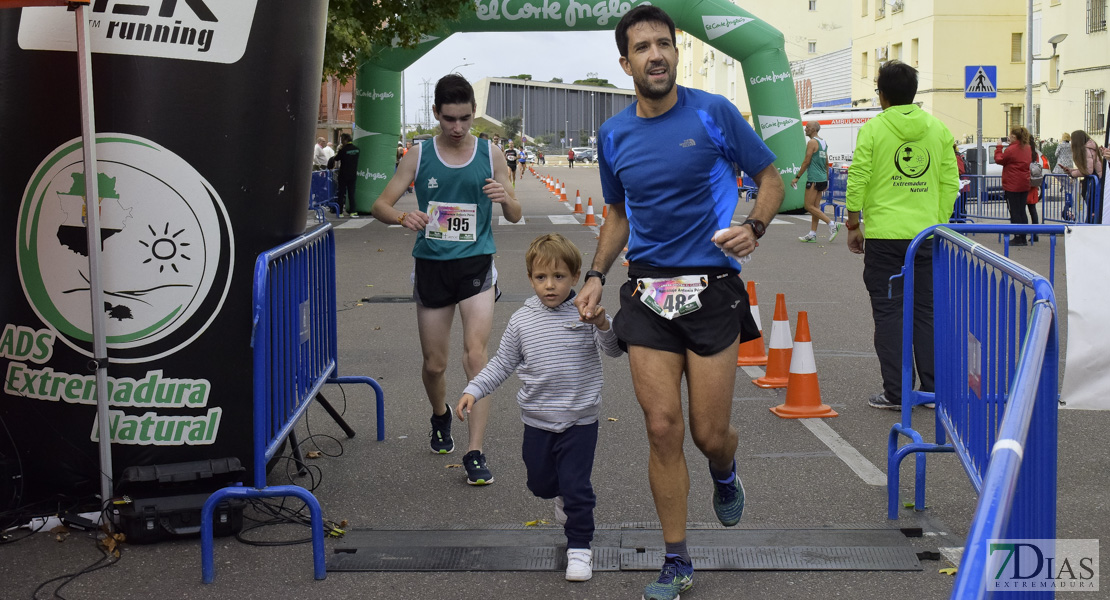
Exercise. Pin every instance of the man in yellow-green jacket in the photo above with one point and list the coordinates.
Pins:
(904, 178)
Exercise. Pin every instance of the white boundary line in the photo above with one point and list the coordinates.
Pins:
(851, 457)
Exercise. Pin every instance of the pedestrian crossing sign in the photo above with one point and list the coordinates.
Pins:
(980, 81)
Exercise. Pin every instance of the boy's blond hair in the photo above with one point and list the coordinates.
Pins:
(550, 249)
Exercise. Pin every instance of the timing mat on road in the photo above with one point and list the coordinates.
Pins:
(628, 547)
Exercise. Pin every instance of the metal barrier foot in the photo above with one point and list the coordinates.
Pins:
(207, 560)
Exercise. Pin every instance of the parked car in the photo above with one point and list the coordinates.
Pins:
(585, 155)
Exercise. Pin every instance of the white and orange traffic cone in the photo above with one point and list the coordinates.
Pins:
(779, 350)
(604, 212)
(625, 254)
(590, 219)
(563, 193)
(803, 393)
(578, 203)
(751, 352)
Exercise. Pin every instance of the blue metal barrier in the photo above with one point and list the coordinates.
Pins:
(295, 354)
(837, 193)
(996, 372)
(1061, 200)
(323, 194)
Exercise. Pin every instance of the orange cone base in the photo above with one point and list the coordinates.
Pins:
(751, 353)
(771, 383)
(808, 412)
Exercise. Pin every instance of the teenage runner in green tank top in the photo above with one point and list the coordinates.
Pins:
(816, 167)
(458, 180)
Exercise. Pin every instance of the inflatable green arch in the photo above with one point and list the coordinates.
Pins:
(758, 47)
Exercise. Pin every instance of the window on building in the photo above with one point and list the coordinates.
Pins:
(812, 5)
(1017, 52)
(1016, 117)
(1096, 15)
(864, 13)
(812, 47)
(897, 6)
(346, 101)
(880, 9)
(1036, 121)
(896, 51)
(864, 68)
(913, 52)
(1095, 121)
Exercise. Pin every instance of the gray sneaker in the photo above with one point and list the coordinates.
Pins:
(880, 401)
(834, 230)
(809, 238)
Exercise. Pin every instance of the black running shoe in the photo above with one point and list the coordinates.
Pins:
(442, 443)
(477, 473)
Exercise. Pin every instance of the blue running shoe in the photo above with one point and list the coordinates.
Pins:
(728, 499)
(442, 442)
(477, 473)
(677, 577)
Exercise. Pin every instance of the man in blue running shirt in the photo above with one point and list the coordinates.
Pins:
(668, 175)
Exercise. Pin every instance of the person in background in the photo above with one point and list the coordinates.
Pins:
(347, 157)
(816, 167)
(1063, 154)
(319, 155)
(1015, 160)
(570, 157)
(1035, 190)
(461, 180)
(1087, 156)
(905, 179)
(511, 156)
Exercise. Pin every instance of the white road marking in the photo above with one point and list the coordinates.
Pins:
(851, 457)
(355, 224)
(754, 372)
(563, 219)
(504, 221)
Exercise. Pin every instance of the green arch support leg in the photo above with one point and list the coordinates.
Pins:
(758, 47)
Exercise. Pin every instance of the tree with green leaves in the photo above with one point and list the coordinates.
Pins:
(594, 81)
(524, 76)
(357, 26)
(512, 126)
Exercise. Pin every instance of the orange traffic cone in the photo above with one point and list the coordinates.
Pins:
(751, 352)
(605, 212)
(548, 182)
(625, 252)
(563, 193)
(590, 219)
(578, 203)
(803, 394)
(778, 354)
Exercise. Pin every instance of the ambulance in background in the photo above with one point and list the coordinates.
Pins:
(839, 127)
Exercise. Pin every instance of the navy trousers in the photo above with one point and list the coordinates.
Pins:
(560, 464)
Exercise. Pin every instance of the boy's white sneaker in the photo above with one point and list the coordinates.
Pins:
(580, 564)
(834, 229)
(560, 515)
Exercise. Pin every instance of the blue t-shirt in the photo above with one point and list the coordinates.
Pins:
(676, 177)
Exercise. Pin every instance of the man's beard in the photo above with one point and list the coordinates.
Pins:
(656, 91)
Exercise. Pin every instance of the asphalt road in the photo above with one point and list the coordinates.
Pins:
(792, 476)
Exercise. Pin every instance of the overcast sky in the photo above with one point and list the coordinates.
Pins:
(569, 55)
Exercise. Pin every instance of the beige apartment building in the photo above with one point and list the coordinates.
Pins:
(830, 40)
(812, 28)
(941, 37)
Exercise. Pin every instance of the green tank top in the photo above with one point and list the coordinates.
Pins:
(818, 170)
(452, 196)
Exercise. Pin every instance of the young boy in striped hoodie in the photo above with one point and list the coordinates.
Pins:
(555, 355)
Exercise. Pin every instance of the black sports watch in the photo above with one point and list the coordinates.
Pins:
(597, 274)
(758, 228)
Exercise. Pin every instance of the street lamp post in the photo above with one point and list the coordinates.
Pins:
(455, 69)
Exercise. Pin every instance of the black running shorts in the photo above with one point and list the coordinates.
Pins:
(820, 185)
(724, 314)
(441, 283)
